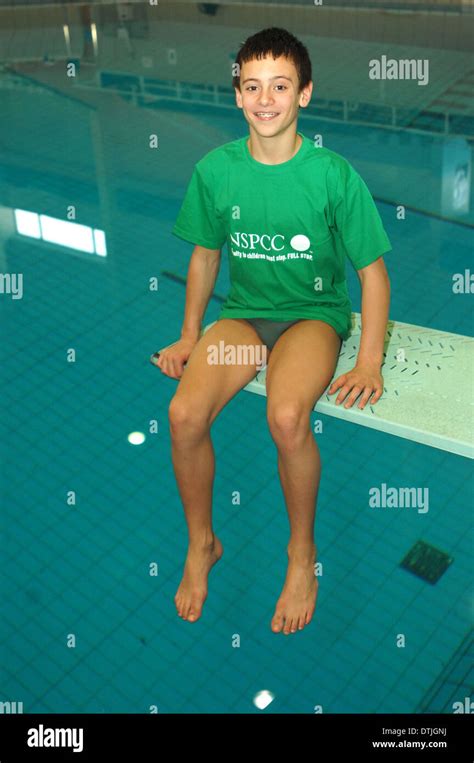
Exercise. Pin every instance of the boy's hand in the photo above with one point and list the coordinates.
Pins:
(171, 361)
(364, 378)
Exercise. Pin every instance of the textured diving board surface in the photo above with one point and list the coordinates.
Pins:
(428, 387)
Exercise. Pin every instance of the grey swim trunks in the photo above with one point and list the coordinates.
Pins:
(268, 330)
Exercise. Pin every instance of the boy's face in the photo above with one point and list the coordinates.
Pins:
(270, 85)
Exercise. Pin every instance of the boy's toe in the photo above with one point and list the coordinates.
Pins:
(277, 623)
(287, 626)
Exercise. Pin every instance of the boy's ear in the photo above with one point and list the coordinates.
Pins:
(238, 97)
(305, 95)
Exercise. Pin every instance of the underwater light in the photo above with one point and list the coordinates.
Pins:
(136, 438)
(263, 698)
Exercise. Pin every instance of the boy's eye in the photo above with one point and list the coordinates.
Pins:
(250, 87)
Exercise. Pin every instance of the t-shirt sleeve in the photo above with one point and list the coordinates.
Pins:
(357, 220)
(197, 220)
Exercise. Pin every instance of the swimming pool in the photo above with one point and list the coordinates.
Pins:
(94, 537)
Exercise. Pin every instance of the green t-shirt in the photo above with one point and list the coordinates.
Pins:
(288, 228)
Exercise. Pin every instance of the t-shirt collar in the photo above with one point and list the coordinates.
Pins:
(272, 169)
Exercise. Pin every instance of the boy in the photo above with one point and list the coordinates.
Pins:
(291, 213)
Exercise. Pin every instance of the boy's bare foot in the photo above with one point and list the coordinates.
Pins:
(192, 591)
(297, 601)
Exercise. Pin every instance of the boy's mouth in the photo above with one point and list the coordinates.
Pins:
(266, 116)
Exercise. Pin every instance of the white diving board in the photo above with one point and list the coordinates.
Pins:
(428, 394)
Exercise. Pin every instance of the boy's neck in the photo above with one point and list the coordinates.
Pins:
(274, 150)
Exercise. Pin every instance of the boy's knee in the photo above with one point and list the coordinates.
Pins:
(184, 416)
(179, 411)
(286, 421)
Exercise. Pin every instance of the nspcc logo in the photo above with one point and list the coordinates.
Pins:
(275, 243)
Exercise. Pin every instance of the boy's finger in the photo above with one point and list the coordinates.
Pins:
(353, 396)
(343, 394)
(335, 385)
(377, 395)
(365, 398)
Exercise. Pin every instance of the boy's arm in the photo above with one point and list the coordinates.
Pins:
(202, 273)
(375, 285)
(365, 379)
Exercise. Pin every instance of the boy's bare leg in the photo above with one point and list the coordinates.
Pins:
(202, 392)
(301, 365)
